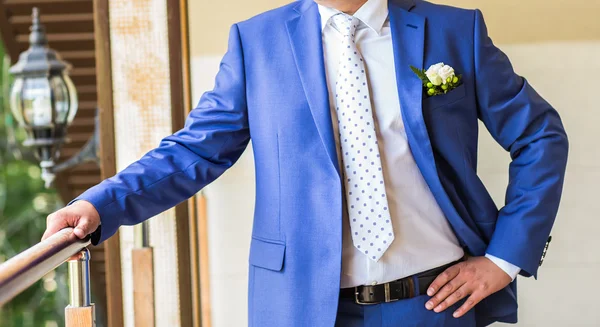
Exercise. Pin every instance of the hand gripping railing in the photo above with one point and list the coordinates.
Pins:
(29, 266)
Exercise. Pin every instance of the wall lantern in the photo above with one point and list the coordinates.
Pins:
(43, 100)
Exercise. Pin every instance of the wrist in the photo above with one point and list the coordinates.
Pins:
(511, 270)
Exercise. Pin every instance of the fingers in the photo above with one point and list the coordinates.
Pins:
(456, 296)
(475, 298)
(446, 291)
(443, 279)
(54, 224)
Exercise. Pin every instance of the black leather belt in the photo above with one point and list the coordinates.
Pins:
(393, 291)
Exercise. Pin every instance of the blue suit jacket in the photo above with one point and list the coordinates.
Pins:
(271, 88)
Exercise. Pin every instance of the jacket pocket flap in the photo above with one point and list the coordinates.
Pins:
(443, 99)
(267, 254)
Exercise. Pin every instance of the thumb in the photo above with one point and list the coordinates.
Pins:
(83, 228)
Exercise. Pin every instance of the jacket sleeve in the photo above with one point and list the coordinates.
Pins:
(215, 135)
(527, 126)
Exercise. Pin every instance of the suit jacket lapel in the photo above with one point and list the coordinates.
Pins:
(304, 31)
(408, 36)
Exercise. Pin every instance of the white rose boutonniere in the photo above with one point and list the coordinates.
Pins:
(433, 73)
(446, 73)
(438, 79)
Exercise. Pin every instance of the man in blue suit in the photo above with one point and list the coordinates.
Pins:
(369, 210)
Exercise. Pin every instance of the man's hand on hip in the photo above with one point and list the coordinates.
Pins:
(476, 278)
(81, 216)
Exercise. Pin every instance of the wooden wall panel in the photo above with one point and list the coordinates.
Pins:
(112, 253)
(180, 105)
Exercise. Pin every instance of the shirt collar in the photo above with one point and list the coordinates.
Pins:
(373, 14)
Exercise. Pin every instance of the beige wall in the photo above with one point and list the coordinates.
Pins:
(526, 21)
(509, 21)
(210, 21)
(555, 44)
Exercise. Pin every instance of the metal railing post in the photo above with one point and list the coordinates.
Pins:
(79, 280)
(80, 312)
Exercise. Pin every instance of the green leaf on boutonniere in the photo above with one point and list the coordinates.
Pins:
(420, 73)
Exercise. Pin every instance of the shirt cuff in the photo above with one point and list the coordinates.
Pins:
(510, 269)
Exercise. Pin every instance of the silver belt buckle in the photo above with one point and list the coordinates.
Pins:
(357, 301)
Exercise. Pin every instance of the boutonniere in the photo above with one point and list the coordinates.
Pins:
(438, 79)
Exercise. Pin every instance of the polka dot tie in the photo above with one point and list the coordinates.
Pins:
(368, 210)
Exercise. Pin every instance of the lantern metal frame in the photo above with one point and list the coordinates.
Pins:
(47, 138)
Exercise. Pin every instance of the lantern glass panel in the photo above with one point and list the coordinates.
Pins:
(73, 100)
(15, 101)
(37, 102)
(61, 99)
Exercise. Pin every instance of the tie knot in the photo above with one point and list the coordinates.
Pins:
(346, 24)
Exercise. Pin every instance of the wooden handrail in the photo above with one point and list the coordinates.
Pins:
(29, 266)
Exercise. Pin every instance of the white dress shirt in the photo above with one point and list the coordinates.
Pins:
(423, 237)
